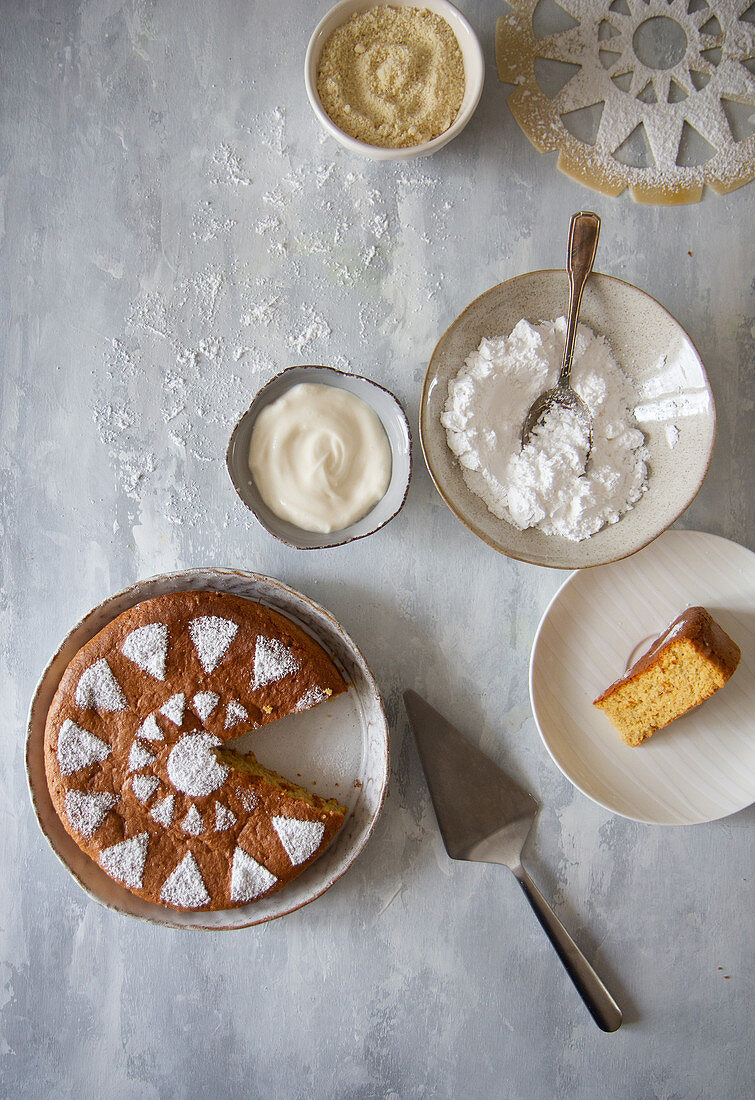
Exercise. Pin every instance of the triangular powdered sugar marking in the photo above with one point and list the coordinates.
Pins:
(249, 879)
(235, 713)
(144, 786)
(78, 748)
(249, 800)
(311, 698)
(125, 861)
(86, 812)
(272, 661)
(185, 886)
(204, 703)
(301, 839)
(98, 689)
(212, 636)
(162, 811)
(193, 823)
(150, 730)
(139, 757)
(174, 708)
(224, 818)
(147, 647)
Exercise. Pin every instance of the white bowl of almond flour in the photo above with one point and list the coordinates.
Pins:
(394, 81)
(643, 382)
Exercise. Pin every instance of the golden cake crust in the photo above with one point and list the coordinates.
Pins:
(693, 658)
(131, 745)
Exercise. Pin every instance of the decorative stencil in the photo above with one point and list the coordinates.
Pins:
(653, 95)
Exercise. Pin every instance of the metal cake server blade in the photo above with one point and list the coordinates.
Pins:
(485, 816)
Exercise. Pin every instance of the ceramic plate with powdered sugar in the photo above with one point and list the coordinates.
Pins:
(674, 410)
(340, 749)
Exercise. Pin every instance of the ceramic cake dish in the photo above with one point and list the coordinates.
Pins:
(674, 409)
(700, 767)
(396, 427)
(181, 737)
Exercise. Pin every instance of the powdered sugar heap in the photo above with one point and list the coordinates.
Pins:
(86, 812)
(301, 839)
(99, 689)
(545, 485)
(185, 887)
(78, 748)
(272, 661)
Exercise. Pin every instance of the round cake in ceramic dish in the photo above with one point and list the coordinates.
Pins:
(136, 756)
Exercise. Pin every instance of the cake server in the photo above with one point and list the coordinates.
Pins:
(485, 816)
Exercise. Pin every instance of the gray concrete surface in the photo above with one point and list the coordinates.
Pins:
(173, 230)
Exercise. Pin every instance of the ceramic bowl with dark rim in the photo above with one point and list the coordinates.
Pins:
(674, 409)
(340, 746)
(396, 427)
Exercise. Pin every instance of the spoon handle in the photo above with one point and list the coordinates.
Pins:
(580, 256)
(601, 1005)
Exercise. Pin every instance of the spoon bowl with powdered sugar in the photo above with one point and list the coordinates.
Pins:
(563, 402)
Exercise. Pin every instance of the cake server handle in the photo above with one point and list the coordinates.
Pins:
(600, 1004)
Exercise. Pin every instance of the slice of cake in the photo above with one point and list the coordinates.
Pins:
(687, 664)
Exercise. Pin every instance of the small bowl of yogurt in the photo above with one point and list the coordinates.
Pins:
(321, 457)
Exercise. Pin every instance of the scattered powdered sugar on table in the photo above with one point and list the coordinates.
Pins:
(269, 239)
(545, 484)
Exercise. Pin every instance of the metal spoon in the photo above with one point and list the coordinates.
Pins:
(580, 256)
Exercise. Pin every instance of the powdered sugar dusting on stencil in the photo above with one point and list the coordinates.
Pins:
(204, 703)
(139, 757)
(272, 661)
(86, 812)
(193, 768)
(248, 799)
(147, 647)
(162, 811)
(235, 713)
(78, 748)
(98, 689)
(193, 823)
(125, 861)
(144, 786)
(174, 708)
(212, 636)
(249, 879)
(224, 818)
(301, 839)
(185, 887)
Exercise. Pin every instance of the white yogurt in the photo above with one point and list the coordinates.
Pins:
(320, 457)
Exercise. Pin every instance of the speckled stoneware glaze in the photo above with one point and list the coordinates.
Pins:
(394, 421)
(672, 389)
(474, 76)
(340, 748)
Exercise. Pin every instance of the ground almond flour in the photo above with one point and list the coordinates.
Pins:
(392, 77)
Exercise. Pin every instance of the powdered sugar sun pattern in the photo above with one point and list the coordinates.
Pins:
(132, 744)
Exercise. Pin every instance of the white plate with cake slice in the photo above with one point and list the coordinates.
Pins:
(699, 768)
(338, 749)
